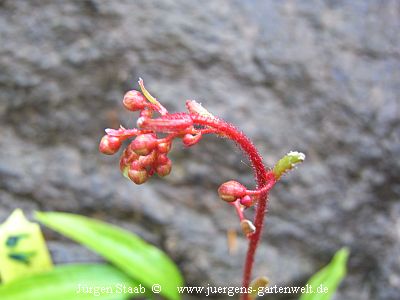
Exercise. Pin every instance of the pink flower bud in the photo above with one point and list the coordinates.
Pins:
(137, 173)
(147, 160)
(134, 101)
(162, 159)
(246, 201)
(164, 169)
(190, 139)
(138, 176)
(164, 147)
(144, 144)
(231, 190)
(109, 144)
(135, 166)
(129, 155)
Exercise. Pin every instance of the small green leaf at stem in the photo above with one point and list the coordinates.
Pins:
(288, 162)
(143, 262)
(323, 284)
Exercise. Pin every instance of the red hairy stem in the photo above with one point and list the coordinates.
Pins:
(261, 175)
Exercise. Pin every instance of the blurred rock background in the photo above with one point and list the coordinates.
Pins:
(322, 77)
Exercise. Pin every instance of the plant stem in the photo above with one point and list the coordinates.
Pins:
(262, 178)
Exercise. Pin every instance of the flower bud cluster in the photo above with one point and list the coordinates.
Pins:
(145, 156)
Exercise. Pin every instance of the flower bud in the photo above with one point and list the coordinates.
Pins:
(164, 147)
(109, 144)
(165, 169)
(162, 159)
(138, 176)
(144, 144)
(129, 155)
(231, 190)
(134, 101)
(247, 227)
(148, 160)
(190, 139)
(246, 201)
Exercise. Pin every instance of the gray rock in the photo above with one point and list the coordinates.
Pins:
(314, 76)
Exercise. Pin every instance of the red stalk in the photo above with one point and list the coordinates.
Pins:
(261, 176)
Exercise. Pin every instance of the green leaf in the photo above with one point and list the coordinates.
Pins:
(63, 282)
(328, 277)
(23, 251)
(288, 162)
(144, 262)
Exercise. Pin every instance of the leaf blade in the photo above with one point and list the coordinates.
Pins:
(62, 284)
(144, 262)
(330, 276)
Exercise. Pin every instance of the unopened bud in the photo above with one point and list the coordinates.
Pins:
(162, 159)
(129, 155)
(247, 227)
(134, 101)
(148, 160)
(138, 176)
(135, 166)
(165, 169)
(144, 144)
(109, 144)
(231, 190)
(190, 139)
(164, 147)
(246, 201)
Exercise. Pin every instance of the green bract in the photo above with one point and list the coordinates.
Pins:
(288, 162)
